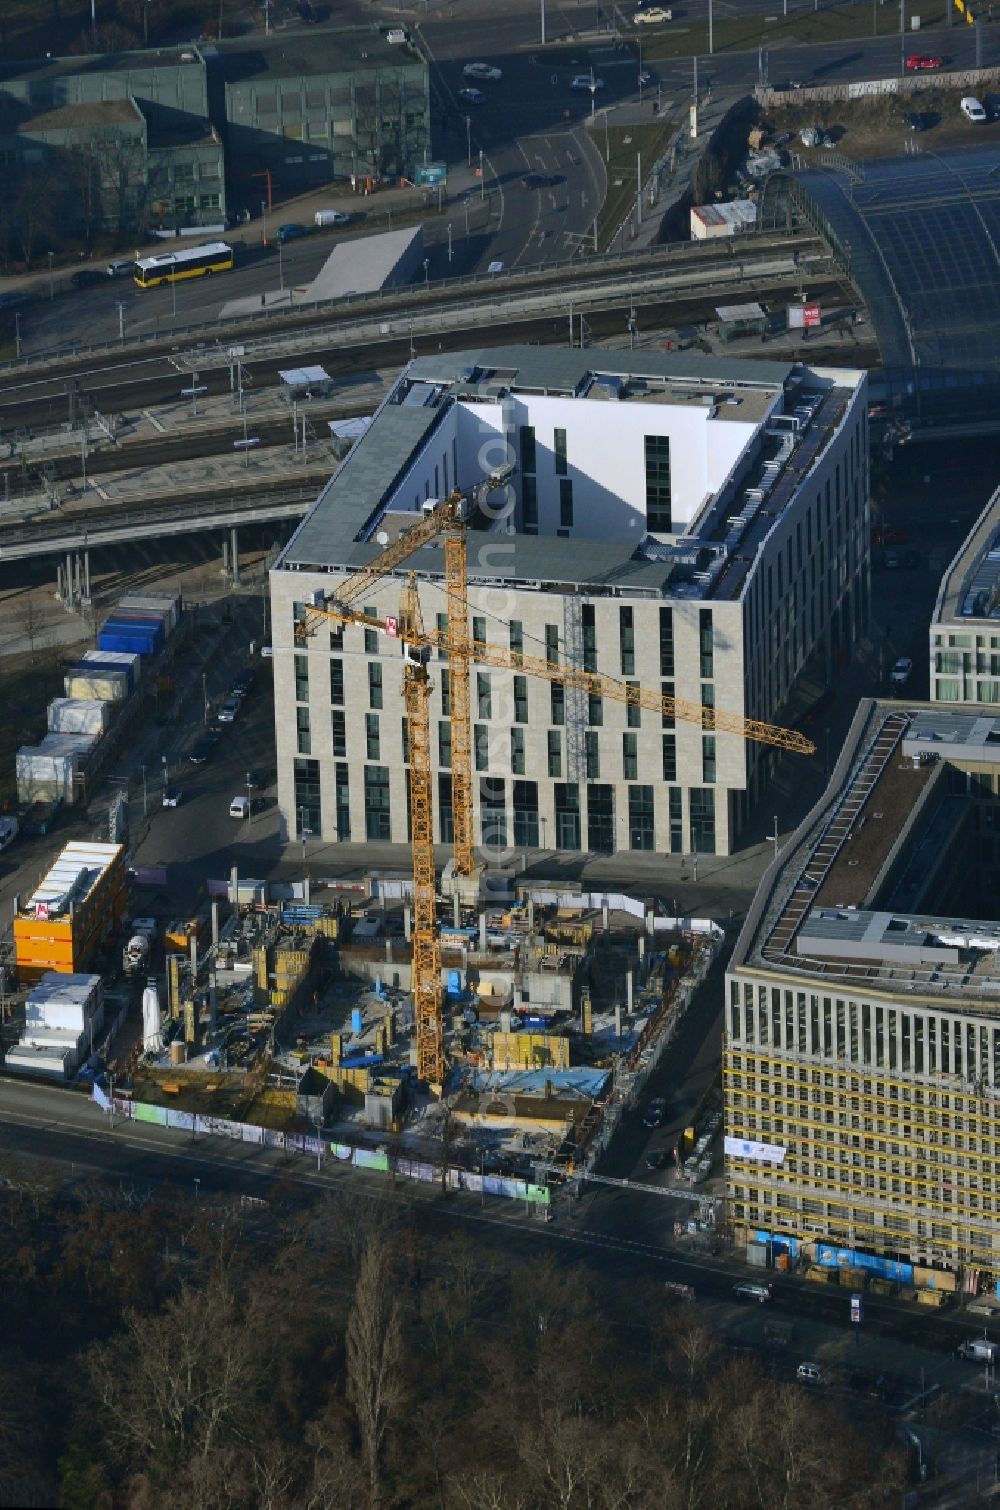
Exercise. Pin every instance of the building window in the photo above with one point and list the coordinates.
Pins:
(595, 709)
(600, 819)
(675, 807)
(442, 629)
(301, 678)
(446, 813)
(520, 699)
(517, 751)
(707, 758)
(667, 690)
(529, 503)
(338, 721)
(307, 797)
(589, 638)
(705, 643)
(592, 754)
(552, 644)
(484, 695)
(526, 813)
(555, 752)
(565, 503)
(493, 813)
(446, 693)
(527, 448)
(481, 742)
(371, 736)
(337, 682)
(559, 449)
(666, 642)
(378, 824)
(371, 635)
(303, 731)
(702, 820)
(567, 796)
(670, 757)
(478, 629)
(374, 684)
(444, 743)
(516, 638)
(405, 739)
(626, 636)
(630, 757)
(658, 505)
(633, 712)
(640, 817)
(708, 703)
(557, 701)
(343, 796)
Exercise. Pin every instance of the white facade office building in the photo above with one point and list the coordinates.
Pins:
(696, 525)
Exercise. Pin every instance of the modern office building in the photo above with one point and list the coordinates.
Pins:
(862, 1031)
(965, 626)
(697, 526)
(303, 108)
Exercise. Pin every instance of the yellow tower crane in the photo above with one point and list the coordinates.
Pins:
(449, 517)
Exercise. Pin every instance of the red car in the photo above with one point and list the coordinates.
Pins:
(922, 60)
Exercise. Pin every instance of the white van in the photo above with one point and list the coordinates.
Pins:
(331, 217)
(809, 1373)
(972, 109)
(239, 807)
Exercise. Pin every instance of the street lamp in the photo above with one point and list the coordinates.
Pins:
(263, 216)
(197, 1186)
(249, 797)
(450, 252)
(52, 290)
(142, 768)
(427, 270)
(204, 693)
(281, 270)
(593, 94)
(482, 180)
(468, 138)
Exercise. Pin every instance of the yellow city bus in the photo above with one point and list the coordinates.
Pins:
(193, 262)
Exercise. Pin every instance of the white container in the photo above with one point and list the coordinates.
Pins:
(153, 603)
(106, 686)
(72, 715)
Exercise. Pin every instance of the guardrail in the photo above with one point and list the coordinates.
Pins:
(553, 273)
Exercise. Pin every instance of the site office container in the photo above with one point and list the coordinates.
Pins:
(138, 626)
(160, 603)
(123, 639)
(66, 943)
(74, 715)
(114, 660)
(106, 686)
(151, 618)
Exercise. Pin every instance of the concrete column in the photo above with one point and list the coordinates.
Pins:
(306, 893)
(60, 587)
(78, 582)
(69, 578)
(234, 555)
(628, 989)
(234, 887)
(618, 1021)
(407, 921)
(482, 932)
(193, 942)
(605, 916)
(456, 911)
(642, 946)
(388, 951)
(86, 574)
(531, 914)
(649, 921)
(225, 558)
(215, 923)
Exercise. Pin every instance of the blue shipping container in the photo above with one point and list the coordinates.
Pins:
(153, 627)
(131, 643)
(144, 637)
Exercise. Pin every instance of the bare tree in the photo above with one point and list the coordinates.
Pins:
(374, 1359)
(33, 219)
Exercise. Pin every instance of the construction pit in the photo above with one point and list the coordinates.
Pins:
(297, 1016)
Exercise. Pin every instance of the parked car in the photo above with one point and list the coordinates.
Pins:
(331, 217)
(292, 232)
(172, 796)
(483, 71)
(242, 684)
(900, 673)
(203, 747)
(87, 277)
(122, 267)
(655, 16)
(920, 62)
(914, 120)
(655, 1112)
(972, 109)
(472, 96)
(658, 1158)
(746, 1290)
(810, 1373)
(229, 710)
(586, 81)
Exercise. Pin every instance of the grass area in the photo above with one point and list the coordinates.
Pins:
(804, 25)
(619, 145)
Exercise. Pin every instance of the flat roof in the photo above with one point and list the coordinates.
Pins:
(335, 534)
(301, 54)
(970, 588)
(105, 62)
(69, 117)
(830, 905)
(363, 264)
(76, 872)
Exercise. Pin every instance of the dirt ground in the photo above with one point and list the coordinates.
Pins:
(876, 127)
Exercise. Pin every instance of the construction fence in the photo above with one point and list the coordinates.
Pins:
(397, 1166)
